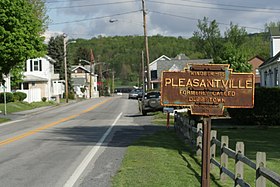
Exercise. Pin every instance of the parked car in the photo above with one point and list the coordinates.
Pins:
(150, 102)
(135, 94)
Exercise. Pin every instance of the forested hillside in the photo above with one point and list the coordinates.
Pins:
(123, 53)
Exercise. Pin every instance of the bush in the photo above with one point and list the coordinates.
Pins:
(71, 95)
(265, 112)
(44, 99)
(9, 97)
(19, 96)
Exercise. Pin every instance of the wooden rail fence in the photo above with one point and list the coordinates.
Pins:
(193, 134)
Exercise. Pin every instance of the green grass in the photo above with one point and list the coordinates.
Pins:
(2, 120)
(255, 140)
(163, 160)
(21, 106)
(158, 160)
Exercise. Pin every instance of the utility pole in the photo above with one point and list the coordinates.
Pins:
(90, 80)
(65, 67)
(146, 44)
(143, 73)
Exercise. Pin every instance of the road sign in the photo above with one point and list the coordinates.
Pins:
(207, 89)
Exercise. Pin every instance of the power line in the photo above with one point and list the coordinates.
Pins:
(195, 19)
(90, 5)
(101, 17)
(227, 5)
(207, 7)
(62, 1)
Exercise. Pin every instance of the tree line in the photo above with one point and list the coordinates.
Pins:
(122, 54)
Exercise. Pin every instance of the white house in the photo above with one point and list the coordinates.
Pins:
(40, 80)
(80, 76)
(269, 70)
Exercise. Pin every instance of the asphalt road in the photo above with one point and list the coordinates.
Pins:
(80, 144)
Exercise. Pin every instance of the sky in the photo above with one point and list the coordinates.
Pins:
(91, 18)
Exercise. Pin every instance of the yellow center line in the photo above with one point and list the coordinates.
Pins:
(44, 127)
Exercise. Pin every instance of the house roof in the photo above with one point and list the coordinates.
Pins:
(81, 67)
(180, 64)
(257, 56)
(33, 78)
(49, 59)
(162, 57)
(182, 57)
(274, 31)
(271, 60)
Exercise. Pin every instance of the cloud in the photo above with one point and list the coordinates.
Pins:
(165, 17)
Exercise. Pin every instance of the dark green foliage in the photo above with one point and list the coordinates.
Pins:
(123, 53)
(71, 95)
(19, 96)
(44, 99)
(9, 97)
(56, 50)
(265, 112)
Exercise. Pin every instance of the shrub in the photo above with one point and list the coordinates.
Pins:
(266, 109)
(71, 95)
(44, 99)
(9, 97)
(19, 96)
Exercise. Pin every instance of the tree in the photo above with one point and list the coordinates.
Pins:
(235, 35)
(208, 38)
(20, 33)
(56, 52)
(271, 24)
(233, 52)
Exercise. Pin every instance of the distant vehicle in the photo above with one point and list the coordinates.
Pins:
(135, 94)
(121, 90)
(150, 102)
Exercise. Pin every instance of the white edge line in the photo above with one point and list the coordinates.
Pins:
(80, 169)
(10, 122)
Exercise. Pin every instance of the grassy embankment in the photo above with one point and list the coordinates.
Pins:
(21, 106)
(163, 159)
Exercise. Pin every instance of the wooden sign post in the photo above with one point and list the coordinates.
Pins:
(207, 89)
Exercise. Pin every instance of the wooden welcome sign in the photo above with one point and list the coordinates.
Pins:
(207, 89)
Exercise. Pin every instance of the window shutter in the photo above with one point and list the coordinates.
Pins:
(31, 65)
(40, 65)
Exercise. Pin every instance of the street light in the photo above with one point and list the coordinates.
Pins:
(65, 43)
(92, 70)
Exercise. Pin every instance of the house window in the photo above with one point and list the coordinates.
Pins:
(153, 74)
(265, 78)
(36, 65)
(270, 77)
(25, 86)
(257, 72)
(276, 76)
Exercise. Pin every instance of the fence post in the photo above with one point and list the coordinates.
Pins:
(239, 171)
(224, 157)
(260, 162)
(198, 140)
(213, 147)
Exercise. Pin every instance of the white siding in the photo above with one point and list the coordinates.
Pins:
(275, 45)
